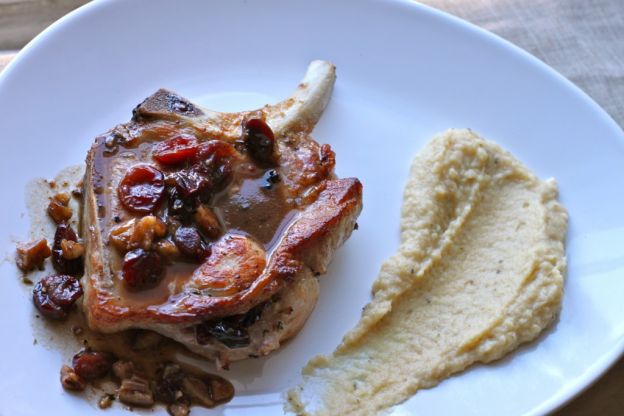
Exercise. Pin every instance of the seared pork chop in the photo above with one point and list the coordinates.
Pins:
(211, 228)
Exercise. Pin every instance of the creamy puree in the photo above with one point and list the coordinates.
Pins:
(479, 271)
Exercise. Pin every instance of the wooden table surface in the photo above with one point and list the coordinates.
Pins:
(21, 19)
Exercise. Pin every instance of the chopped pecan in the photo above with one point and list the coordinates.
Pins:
(196, 390)
(121, 234)
(207, 222)
(70, 380)
(148, 229)
(71, 249)
(139, 233)
(59, 209)
(178, 409)
(106, 401)
(221, 389)
(136, 391)
(167, 249)
(32, 254)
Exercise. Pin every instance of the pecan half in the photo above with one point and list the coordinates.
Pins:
(136, 391)
(70, 380)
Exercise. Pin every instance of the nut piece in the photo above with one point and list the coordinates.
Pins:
(167, 249)
(106, 401)
(207, 222)
(138, 233)
(136, 392)
(148, 229)
(221, 389)
(197, 391)
(123, 369)
(71, 249)
(59, 209)
(32, 254)
(178, 409)
(70, 380)
(120, 235)
(62, 198)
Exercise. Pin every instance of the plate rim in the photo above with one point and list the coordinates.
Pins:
(607, 360)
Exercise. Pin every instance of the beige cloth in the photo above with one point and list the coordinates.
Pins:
(582, 39)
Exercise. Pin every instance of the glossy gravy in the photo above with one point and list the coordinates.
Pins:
(253, 204)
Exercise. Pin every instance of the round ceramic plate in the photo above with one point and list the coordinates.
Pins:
(405, 72)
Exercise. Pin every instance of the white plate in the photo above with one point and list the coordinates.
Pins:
(405, 72)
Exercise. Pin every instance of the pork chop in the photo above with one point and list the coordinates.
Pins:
(212, 228)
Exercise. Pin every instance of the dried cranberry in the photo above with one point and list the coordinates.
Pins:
(141, 189)
(66, 292)
(73, 267)
(201, 181)
(190, 243)
(215, 149)
(220, 172)
(259, 141)
(211, 171)
(216, 159)
(54, 295)
(179, 206)
(142, 269)
(176, 150)
(90, 365)
(190, 182)
(44, 305)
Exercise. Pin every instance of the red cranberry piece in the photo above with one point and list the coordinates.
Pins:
(176, 150)
(54, 295)
(66, 292)
(90, 365)
(190, 182)
(178, 205)
(189, 242)
(142, 269)
(73, 267)
(44, 305)
(141, 189)
(259, 141)
(215, 160)
(215, 149)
